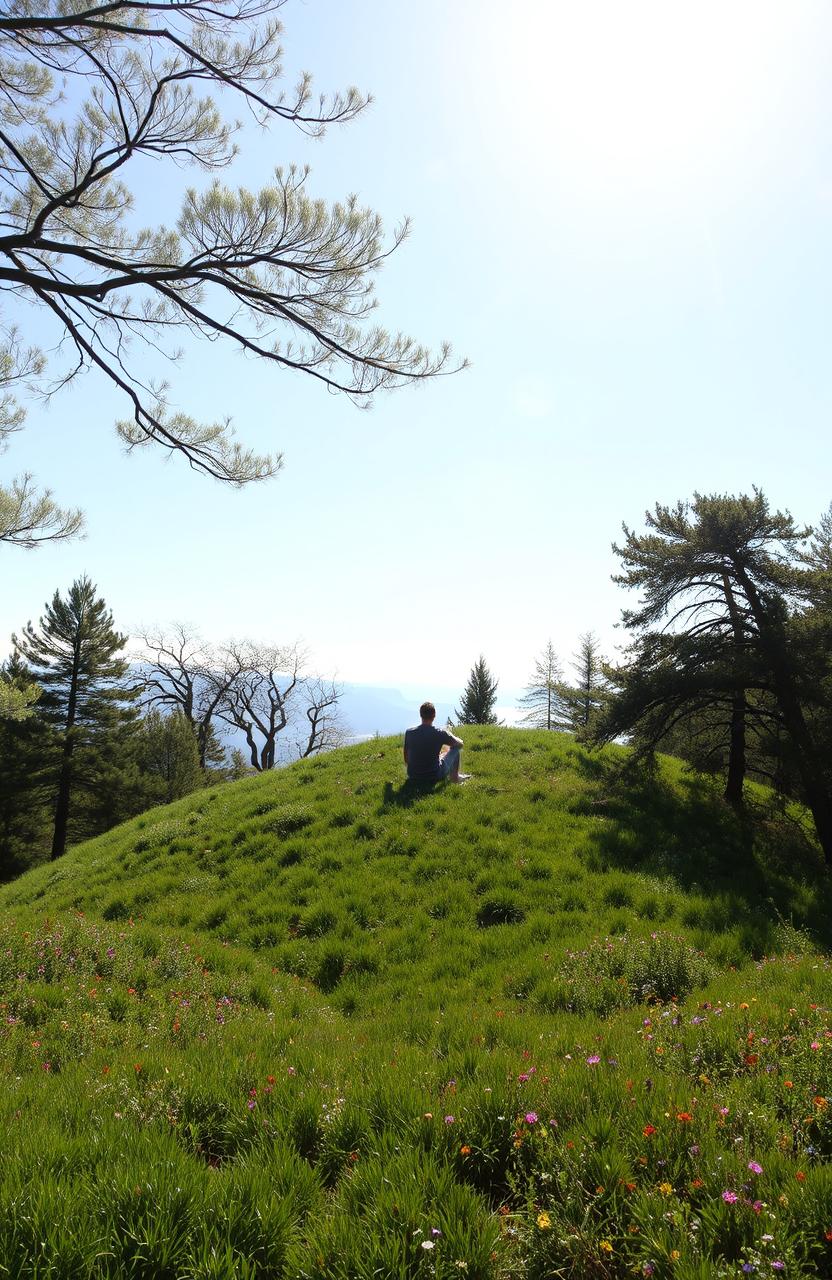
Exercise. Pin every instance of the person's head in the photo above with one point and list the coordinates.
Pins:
(428, 712)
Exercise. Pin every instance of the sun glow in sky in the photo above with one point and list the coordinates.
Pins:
(638, 98)
(622, 216)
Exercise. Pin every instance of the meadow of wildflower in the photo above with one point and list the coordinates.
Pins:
(562, 1021)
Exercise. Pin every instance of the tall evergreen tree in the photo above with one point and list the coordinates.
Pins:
(543, 701)
(74, 656)
(479, 696)
(584, 700)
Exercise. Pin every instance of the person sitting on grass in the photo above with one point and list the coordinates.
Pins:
(422, 747)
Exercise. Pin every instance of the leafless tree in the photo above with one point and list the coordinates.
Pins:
(326, 730)
(258, 700)
(180, 671)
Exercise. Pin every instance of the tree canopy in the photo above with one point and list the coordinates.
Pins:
(273, 272)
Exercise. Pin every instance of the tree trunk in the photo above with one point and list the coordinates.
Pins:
(736, 754)
(65, 775)
(62, 801)
(736, 746)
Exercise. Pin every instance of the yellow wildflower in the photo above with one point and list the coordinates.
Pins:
(544, 1221)
(666, 1188)
(606, 1245)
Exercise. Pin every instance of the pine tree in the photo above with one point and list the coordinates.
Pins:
(543, 699)
(85, 705)
(479, 696)
(584, 700)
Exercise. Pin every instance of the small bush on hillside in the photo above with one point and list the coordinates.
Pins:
(499, 910)
(286, 820)
(619, 971)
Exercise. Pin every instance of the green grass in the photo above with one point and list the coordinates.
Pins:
(316, 1024)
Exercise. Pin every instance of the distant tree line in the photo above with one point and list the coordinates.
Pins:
(89, 739)
(550, 701)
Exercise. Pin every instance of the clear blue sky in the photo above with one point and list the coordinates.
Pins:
(622, 216)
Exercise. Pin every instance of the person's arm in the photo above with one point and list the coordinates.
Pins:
(452, 740)
(404, 748)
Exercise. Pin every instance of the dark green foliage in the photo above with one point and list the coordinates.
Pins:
(24, 821)
(167, 755)
(479, 696)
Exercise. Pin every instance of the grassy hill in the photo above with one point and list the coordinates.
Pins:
(559, 1021)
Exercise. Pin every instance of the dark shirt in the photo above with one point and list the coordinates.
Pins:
(422, 745)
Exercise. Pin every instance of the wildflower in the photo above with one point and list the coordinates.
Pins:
(647, 1269)
(531, 1117)
(787, 1084)
(428, 1115)
(777, 1265)
(815, 1044)
(544, 1221)
(675, 1255)
(684, 1117)
(666, 1188)
(465, 1151)
(593, 1059)
(290, 1071)
(800, 1175)
(748, 1267)
(730, 1197)
(449, 1119)
(697, 1183)
(827, 1235)
(754, 1167)
(723, 1111)
(606, 1245)
(599, 1191)
(252, 1103)
(751, 1060)
(137, 1067)
(435, 1233)
(820, 1102)
(649, 1130)
(428, 1244)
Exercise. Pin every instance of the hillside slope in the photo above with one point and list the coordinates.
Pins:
(335, 871)
(316, 1026)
